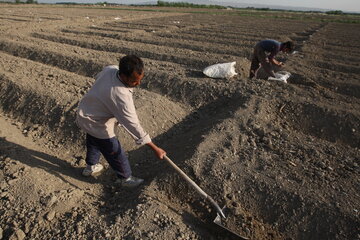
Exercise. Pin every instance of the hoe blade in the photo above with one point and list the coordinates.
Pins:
(220, 221)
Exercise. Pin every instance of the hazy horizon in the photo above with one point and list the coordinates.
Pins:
(345, 5)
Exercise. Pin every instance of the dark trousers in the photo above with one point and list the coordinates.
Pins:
(259, 57)
(112, 152)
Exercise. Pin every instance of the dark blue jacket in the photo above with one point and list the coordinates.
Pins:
(271, 46)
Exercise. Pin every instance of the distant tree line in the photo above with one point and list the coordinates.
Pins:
(68, 3)
(98, 3)
(333, 12)
(336, 12)
(27, 1)
(101, 3)
(187, 5)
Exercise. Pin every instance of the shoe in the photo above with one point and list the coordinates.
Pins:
(130, 182)
(92, 169)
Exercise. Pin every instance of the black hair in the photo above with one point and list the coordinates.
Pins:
(130, 64)
(289, 45)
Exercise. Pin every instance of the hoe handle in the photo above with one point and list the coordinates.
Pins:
(197, 188)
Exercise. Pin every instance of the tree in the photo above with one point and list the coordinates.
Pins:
(336, 12)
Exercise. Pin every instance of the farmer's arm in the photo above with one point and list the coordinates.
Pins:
(127, 117)
(123, 108)
(160, 153)
(274, 51)
(276, 62)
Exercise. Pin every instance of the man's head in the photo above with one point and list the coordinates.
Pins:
(288, 47)
(131, 70)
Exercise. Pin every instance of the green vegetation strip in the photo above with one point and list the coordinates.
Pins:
(187, 5)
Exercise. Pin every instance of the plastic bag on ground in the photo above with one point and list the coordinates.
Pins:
(221, 70)
(281, 76)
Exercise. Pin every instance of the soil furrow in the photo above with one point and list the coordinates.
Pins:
(71, 63)
(338, 67)
(184, 57)
(329, 127)
(158, 81)
(14, 19)
(213, 41)
(153, 40)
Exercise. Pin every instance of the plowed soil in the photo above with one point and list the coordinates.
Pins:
(283, 158)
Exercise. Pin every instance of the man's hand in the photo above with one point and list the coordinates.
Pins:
(276, 62)
(159, 152)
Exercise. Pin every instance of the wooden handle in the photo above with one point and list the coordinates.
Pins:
(197, 188)
(191, 182)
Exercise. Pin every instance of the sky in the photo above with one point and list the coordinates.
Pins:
(343, 5)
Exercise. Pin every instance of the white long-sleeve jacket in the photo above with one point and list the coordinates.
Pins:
(109, 101)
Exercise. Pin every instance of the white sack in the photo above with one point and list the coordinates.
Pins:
(281, 76)
(221, 70)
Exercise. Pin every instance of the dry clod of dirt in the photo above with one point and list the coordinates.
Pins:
(283, 158)
(18, 234)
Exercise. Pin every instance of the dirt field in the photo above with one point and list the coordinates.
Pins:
(284, 158)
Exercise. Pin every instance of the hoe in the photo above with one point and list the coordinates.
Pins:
(220, 212)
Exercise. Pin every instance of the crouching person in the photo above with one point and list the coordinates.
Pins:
(264, 54)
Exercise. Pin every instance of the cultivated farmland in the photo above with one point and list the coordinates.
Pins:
(284, 158)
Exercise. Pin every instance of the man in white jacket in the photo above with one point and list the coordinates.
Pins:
(109, 102)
